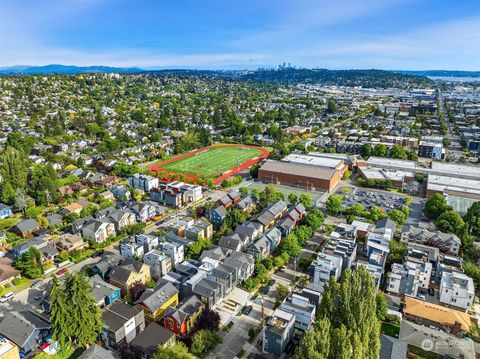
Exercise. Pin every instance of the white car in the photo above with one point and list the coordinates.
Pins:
(6, 297)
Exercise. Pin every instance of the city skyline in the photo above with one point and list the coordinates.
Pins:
(391, 35)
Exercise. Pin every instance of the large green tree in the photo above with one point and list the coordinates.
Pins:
(472, 218)
(334, 204)
(173, 351)
(347, 324)
(436, 205)
(13, 171)
(82, 314)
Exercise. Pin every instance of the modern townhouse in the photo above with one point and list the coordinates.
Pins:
(457, 290)
(447, 243)
(278, 332)
(303, 310)
(98, 230)
(159, 263)
(409, 278)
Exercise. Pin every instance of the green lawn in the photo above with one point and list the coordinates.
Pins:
(213, 161)
(392, 330)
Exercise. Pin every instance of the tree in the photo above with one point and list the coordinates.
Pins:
(331, 106)
(21, 202)
(243, 191)
(30, 263)
(282, 291)
(306, 200)
(381, 303)
(292, 198)
(13, 170)
(137, 289)
(208, 320)
(451, 222)
(334, 204)
(173, 351)
(472, 218)
(346, 320)
(380, 150)
(436, 205)
(59, 314)
(397, 151)
(254, 171)
(85, 318)
(291, 246)
(366, 150)
(397, 216)
(314, 219)
(203, 341)
(8, 193)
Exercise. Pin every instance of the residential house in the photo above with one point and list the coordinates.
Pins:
(208, 291)
(303, 310)
(392, 348)
(128, 272)
(25, 228)
(103, 292)
(69, 242)
(7, 272)
(443, 344)
(181, 320)
(74, 208)
(121, 219)
(5, 211)
(326, 266)
(27, 330)
(159, 263)
(95, 351)
(176, 251)
(48, 250)
(120, 192)
(260, 249)
(105, 265)
(146, 344)
(345, 249)
(130, 249)
(242, 263)
(8, 350)
(457, 290)
(154, 302)
(143, 182)
(408, 278)
(278, 332)
(121, 324)
(144, 211)
(247, 204)
(232, 241)
(273, 236)
(217, 215)
(437, 316)
(98, 231)
(447, 242)
(149, 242)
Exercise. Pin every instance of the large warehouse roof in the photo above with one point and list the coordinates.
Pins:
(298, 169)
(391, 162)
(457, 169)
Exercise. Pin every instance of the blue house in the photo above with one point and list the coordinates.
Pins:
(5, 211)
(27, 329)
(104, 293)
(21, 248)
(217, 215)
(274, 236)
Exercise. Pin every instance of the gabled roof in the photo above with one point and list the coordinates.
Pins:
(151, 338)
(153, 299)
(20, 326)
(392, 348)
(436, 313)
(97, 352)
(27, 225)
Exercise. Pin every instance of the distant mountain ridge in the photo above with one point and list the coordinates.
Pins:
(288, 75)
(65, 69)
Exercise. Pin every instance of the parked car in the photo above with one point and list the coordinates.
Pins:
(98, 253)
(6, 297)
(271, 282)
(264, 290)
(431, 291)
(61, 272)
(247, 309)
(37, 297)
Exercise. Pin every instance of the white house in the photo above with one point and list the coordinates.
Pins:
(98, 231)
(159, 263)
(176, 251)
(457, 290)
(326, 266)
(409, 277)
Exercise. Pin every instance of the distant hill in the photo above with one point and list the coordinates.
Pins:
(443, 73)
(365, 78)
(63, 69)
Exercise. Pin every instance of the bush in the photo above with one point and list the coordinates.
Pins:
(252, 333)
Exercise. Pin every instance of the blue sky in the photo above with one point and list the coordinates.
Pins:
(226, 34)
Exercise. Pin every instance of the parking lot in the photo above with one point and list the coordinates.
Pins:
(368, 199)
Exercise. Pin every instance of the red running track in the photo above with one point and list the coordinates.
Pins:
(233, 171)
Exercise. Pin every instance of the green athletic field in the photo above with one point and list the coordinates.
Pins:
(212, 162)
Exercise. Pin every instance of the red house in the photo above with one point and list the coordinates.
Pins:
(182, 319)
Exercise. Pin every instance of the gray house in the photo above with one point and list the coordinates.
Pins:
(121, 324)
(27, 329)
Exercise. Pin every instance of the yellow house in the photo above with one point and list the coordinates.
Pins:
(8, 350)
(127, 273)
(154, 302)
